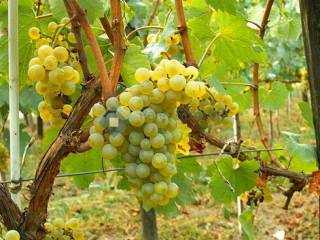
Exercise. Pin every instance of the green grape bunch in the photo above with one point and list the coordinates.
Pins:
(4, 158)
(140, 127)
(59, 229)
(54, 70)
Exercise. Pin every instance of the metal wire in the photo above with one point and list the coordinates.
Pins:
(62, 175)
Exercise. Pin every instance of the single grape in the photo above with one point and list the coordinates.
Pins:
(156, 177)
(52, 26)
(157, 141)
(176, 135)
(35, 61)
(136, 118)
(124, 98)
(56, 76)
(12, 235)
(149, 115)
(36, 73)
(136, 103)
(146, 156)
(159, 160)
(160, 188)
(174, 67)
(45, 51)
(68, 72)
(41, 88)
(50, 62)
(134, 150)
(157, 96)
(219, 107)
(130, 170)
(76, 76)
(147, 188)
(157, 73)
(128, 158)
(123, 112)
(191, 72)
(146, 100)
(109, 152)
(34, 33)
(162, 120)
(156, 197)
(61, 54)
(116, 139)
(67, 108)
(112, 103)
(98, 110)
(142, 74)
(177, 82)
(172, 97)
(173, 190)
(150, 130)
(71, 38)
(169, 170)
(163, 84)
(142, 170)
(96, 140)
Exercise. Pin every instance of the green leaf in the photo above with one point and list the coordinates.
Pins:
(29, 99)
(24, 138)
(275, 98)
(132, 60)
(306, 113)
(185, 183)
(94, 8)
(235, 43)
(303, 155)
(170, 210)
(246, 220)
(241, 179)
(214, 82)
(225, 5)
(87, 161)
(189, 165)
(4, 93)
(289, 28)
(49, 135)
(243, 98)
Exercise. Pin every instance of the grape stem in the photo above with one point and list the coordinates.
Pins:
(107, 28)
(205, 53)
(143, 28)
(151, 17)
(58, 31)
(184, 34)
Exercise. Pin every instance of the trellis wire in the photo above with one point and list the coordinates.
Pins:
(62, 175)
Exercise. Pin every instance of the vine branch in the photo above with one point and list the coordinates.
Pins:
(184, 33)
(255, 90)
(107, 28)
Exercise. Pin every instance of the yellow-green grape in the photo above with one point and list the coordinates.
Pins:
(45, 51)
(41, 88)
(227, 99)
(147, 188)
(43, 105)
(142, 74)
(58, 222)
(233, 109)
(173, 190)
(68, 88)
(195, 89)
(142, 170)
(96, 140)
(36, 72)
(160, 187)
(52, 26)
(191, 72)
(176, 38)
(98, 110)
(157, 141)
(68, 72)
(157, 96)
(124, 98)
(136, 118)
(123, 112)
(112, 103)
(146, 87)
(116, 139)
(72, 38)
(163, 84)
(61, 53)
(219, 97)
(130, 170)
(50, 62)
(12, 235)
(46, 115)
(76, 77)
(65, 21)
(177, 82)
(35, 61)
(42, 41)
(109, 152)
(174, 67)
(67, 108)
(56, 76)
(34, 33)
(164, 201)
(136, 103)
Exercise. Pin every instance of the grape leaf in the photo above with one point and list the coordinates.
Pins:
(132, 60)
(288, 28)
(170, 210)
(274, 98)
(188, 165)
(226, 5)
(29, 99)
(185, 184)
(88, 161)
(306, 113)
(241, 179)
(246, 220)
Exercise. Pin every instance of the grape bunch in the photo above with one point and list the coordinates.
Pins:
(59, 229)
(12, 235)
(141, 126)
(55, 71)
(213, 109)
(4, 158)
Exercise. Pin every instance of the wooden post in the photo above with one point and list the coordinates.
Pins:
(310, 11)
(149, 224)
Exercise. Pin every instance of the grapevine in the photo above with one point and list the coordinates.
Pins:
(54, 70)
